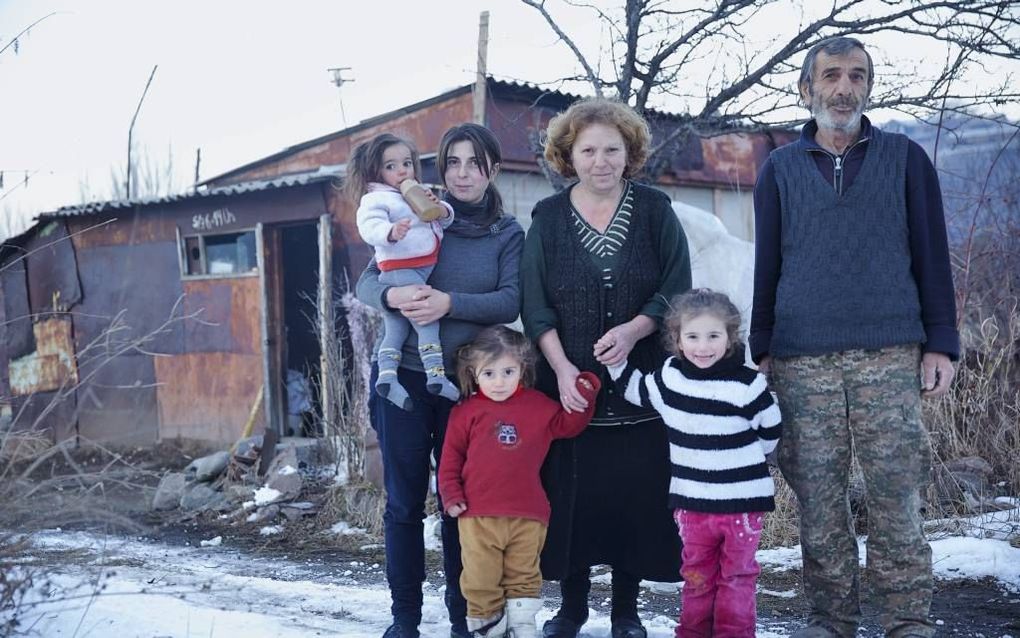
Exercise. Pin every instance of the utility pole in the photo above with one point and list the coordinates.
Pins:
(478, 97)
(339, 80)
(127, 185)
(198, 164)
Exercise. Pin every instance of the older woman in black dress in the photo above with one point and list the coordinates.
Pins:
(600, 261)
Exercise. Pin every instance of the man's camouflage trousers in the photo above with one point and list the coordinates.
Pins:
(868, 403)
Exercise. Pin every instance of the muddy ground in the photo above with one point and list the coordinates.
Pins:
(981, 609)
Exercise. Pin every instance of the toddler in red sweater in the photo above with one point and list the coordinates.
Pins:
(496, 441)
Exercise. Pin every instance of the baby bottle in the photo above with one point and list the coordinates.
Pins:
(418, 199)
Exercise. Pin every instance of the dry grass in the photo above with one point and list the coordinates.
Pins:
(16, 580)
(45, 486)
(980, 415)
(359, 504)
(781, 526)
(348, 348)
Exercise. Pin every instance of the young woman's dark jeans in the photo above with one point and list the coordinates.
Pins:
(406, 440)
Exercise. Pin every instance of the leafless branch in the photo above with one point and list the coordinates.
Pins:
(539, 5)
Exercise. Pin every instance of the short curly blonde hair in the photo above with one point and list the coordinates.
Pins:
(565, 127)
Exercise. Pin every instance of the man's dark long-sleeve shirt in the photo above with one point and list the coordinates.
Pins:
(929, 249)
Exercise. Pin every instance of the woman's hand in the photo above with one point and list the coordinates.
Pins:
(398, 295)
(570, 396)
(613, 347)
(425, 306)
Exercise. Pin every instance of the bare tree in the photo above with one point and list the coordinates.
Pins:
(151, 176)
(700, 58)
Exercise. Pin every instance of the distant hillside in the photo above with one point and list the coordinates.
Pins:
(967, 149)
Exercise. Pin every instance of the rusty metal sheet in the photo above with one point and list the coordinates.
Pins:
(142, 282)
(517, 125)
(123, 227)
(229, 315)
(52, 365)
(209, 300)
(207, 396)
(245, 301)
(19, 337)
(51, 412)
(118, 403)
(52, 271)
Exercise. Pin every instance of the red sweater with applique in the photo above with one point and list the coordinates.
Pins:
(493, 451)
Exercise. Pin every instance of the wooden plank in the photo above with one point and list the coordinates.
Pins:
(327, 328)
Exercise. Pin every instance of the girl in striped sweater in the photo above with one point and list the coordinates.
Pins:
(723, 422)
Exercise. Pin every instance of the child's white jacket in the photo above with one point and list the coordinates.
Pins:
(381, 207)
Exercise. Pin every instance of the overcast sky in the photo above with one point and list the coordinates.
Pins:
(240, 80)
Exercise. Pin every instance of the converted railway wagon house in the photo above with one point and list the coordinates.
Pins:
(242, 258)
(135, 321)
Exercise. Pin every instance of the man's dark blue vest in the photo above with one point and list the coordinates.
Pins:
(845, 280)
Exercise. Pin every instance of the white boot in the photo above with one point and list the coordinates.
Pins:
(521, 614)
(492, 627)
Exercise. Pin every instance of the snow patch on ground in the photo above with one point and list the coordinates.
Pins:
(433, 533)
(266, 495)
(780, 559)
(271, 530)
(212, 542)
(152, 589)
(956, 558)
(343, 528)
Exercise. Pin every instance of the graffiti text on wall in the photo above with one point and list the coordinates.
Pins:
(215, 219)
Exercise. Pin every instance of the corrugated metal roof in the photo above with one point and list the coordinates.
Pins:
(298, 179)
(521, 90)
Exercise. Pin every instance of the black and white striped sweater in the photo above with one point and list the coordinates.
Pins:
(722, 422)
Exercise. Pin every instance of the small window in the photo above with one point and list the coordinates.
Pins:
(226, 254)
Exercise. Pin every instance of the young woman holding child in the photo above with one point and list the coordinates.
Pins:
(473, 285)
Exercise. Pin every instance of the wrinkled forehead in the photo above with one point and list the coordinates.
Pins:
(852, 60)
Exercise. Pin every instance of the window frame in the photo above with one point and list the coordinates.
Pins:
(183, 258)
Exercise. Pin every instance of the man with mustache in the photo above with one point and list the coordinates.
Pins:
(854, 320)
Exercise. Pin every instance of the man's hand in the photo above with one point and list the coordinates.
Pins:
(936, 374)
(456, 509)
(765, 366)
(399, 230)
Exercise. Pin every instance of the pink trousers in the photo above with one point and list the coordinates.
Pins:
(719, 573)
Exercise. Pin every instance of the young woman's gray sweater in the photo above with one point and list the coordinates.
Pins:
(481, 275)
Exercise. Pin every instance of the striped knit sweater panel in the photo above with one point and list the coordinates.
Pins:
(722, 422)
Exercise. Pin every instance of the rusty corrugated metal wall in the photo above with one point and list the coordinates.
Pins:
(130, 285)
(220, 365)
(41, 365)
